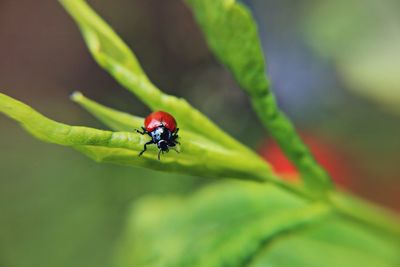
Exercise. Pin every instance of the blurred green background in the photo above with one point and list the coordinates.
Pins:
(334, 65)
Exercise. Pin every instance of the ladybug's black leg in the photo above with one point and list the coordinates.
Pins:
(144, 131)
(175, 142)
(159, 152)
(172, 145)
(175, 136)
(176, 150)
(145, 147)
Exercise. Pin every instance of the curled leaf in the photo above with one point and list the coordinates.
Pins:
(114, 56)
(235, 41)
(116, 120)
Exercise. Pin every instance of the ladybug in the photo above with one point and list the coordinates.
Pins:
(161, 127)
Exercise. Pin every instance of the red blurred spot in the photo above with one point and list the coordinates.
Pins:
(333, 159)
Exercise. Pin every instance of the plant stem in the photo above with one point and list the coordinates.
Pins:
(349, 206)
(366, 213)
(235, 42)
(282, 130)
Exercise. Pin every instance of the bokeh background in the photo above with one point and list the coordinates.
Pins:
(334, 65)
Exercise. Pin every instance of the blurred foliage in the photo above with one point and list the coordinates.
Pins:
(238, 224)
(363, 42)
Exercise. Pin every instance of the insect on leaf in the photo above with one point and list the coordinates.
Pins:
(198, 156)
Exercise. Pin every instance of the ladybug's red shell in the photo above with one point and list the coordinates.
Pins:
(160, 118)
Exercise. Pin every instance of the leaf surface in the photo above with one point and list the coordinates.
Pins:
(237, 224)
(198, 156)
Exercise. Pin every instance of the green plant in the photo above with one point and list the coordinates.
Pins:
(231, 223)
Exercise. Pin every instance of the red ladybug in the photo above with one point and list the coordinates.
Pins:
(161, 127)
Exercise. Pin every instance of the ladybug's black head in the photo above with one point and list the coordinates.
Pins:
(163, 145)
(161, 134)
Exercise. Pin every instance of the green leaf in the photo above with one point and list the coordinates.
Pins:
(334, 243)
(114, 56)
(236, 44)
(235, 41)
(116, 120)
(238, 224)
(198, 156)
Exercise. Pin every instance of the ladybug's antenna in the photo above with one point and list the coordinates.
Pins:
(143, 132)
